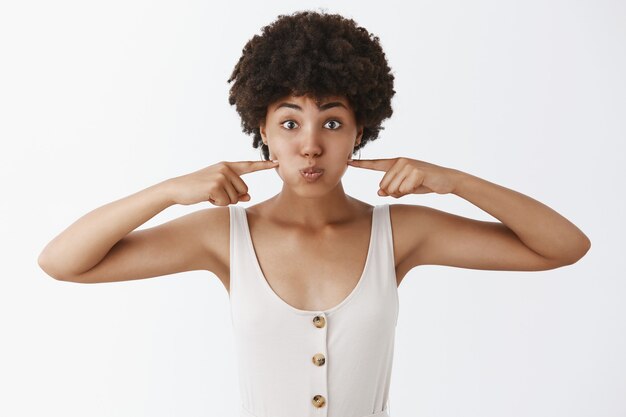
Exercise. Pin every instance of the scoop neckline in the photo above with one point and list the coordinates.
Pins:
(273, 294)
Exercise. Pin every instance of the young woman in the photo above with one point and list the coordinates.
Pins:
(312, 273)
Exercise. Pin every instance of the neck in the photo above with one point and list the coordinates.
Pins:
(315, 211)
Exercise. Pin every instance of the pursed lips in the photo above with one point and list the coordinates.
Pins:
(310, 170)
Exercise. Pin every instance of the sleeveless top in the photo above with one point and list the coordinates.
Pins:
(327, 363)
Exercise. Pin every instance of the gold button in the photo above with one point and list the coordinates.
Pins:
(319, 321)
(319, 401)
(319, 359)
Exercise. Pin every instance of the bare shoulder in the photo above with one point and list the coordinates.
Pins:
(214, 226)
(414, 226)
(403, 218)
(406, 237)
(427, 236)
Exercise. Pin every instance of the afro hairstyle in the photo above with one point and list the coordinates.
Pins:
(317, 55)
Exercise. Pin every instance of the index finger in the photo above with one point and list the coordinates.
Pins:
(375, 164)
(244, 167)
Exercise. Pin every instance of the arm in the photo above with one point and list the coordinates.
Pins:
(101, 246)
(530, 235)
(85, 242)
(537, 226)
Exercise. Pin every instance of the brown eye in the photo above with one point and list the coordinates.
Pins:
(287, 121)
(337, 122)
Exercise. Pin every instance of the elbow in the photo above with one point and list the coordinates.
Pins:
(49, 271)
(580, 251)
(47, 267)
(41, 261)
(45, 264)
(584, 247)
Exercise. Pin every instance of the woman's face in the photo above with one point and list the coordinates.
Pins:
(300, 134)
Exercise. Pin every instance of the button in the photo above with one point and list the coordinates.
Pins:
(319, 359)
(319, 401)
(319, 321)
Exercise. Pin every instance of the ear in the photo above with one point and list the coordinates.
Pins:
(359, 135)
(262, 131)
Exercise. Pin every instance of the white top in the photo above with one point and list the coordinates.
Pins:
(301, 363)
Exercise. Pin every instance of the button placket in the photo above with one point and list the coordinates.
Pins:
(318, 360)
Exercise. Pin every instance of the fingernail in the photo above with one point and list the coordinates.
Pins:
(274, 160)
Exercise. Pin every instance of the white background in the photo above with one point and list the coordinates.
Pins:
(99, 100)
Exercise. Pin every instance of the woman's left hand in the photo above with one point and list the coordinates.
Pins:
(409, 176)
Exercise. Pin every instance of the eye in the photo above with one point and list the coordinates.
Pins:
(287, 121)
(336, 122)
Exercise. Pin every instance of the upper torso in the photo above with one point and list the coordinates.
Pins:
(316, 338)
(294, 282)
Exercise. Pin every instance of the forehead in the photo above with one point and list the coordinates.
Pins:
(300, 102)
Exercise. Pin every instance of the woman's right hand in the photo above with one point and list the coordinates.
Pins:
(220, 184)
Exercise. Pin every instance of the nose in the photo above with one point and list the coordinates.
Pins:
(311, 143)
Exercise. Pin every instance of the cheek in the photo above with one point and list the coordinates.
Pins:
(286, 154)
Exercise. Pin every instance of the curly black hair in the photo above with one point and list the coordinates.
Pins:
(317, 55)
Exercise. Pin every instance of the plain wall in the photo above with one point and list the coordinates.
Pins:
(99, 100)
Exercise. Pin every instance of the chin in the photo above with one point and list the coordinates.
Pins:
(310, 192)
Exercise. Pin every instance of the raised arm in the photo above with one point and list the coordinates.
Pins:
(103, 245)
(529, 237)
(86, 241)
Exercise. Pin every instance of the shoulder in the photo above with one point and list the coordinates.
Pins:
(213, 226)
(409, 224)
(405, 214)
(410, 215)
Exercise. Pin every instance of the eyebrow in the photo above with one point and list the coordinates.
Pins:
(321, 108)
